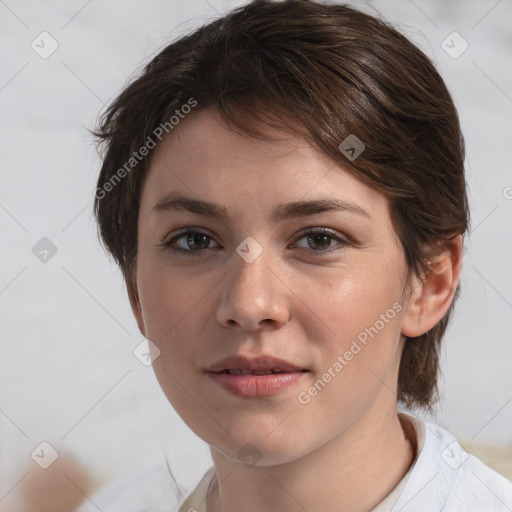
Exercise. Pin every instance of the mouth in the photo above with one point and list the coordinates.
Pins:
(256, 365)
(255, 377)
(257, 373)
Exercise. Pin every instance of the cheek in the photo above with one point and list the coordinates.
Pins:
(353, 327)
(168, 300)
(343, 304)
(171, 305)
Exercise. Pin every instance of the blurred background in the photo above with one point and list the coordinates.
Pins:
(69, 379)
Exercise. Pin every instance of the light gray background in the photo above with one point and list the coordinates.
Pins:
(67, 372)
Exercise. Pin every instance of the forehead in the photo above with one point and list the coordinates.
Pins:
(203, 140)
(202, 157)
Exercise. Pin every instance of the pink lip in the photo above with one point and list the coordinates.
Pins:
(259, 363)
(285, 374)
(253, 386)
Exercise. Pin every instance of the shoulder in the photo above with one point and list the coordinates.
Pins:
(445, 477)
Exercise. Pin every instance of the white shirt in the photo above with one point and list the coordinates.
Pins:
(443, 478)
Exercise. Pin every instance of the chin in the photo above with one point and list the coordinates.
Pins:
(253, 446)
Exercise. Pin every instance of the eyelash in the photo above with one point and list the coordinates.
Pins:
(319, 231)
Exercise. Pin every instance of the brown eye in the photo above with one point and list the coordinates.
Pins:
(191, 241)
(197, 241)
(320, 241)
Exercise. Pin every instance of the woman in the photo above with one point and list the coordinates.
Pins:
(284, 192)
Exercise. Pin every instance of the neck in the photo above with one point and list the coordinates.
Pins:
(334, 477)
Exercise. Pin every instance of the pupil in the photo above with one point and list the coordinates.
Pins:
(317, 239)
(192, 240)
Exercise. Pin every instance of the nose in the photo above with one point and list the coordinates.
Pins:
(253, 295)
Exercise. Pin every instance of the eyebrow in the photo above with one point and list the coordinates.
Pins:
(178, 202)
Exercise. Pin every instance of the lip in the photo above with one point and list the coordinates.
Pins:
(252, 385)
(261, 363)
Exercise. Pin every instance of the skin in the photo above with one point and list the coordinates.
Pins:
(291, 303)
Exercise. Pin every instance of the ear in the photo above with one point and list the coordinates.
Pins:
(432, 296)
(131, 286)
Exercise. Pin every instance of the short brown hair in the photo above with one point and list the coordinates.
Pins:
(322, 73)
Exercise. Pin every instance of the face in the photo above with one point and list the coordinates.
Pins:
(320, 288)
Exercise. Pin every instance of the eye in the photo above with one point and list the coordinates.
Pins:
(320, 240)
(194, 242)
(191, 241)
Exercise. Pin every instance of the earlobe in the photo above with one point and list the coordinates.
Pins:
(432, 296)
